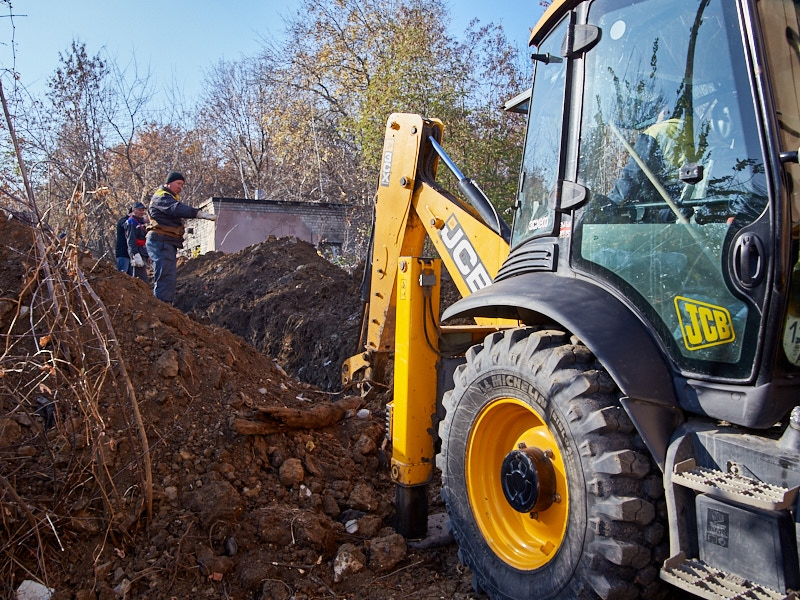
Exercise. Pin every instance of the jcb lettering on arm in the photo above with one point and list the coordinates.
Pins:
(464, 255)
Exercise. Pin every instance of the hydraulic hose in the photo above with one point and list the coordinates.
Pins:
(475, 195)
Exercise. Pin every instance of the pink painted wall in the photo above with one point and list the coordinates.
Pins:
(243, 222)
(236, 230)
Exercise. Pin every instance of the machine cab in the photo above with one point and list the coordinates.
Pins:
(660, 154)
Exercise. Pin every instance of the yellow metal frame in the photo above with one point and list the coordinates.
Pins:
(408, 207)
(553, 14)
(415, 363)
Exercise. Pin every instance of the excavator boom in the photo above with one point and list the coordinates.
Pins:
(410, 206)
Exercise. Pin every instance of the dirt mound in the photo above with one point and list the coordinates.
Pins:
(296, 513)
(284, 299)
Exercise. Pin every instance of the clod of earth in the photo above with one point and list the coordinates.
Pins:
(275, 419)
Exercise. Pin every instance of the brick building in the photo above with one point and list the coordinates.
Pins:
(244, 222)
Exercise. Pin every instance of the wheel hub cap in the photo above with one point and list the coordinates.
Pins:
(528, 480)
(505, 488)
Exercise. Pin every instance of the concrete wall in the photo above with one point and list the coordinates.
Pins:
(243, 222)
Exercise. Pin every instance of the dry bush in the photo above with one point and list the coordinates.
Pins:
(63, 389)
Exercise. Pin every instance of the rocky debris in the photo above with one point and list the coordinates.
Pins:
(212, 498)
(291, 472)
(33, 590)
(387, 552)
(349, 561)
(167, 364)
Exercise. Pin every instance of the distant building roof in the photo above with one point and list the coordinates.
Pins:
(223, 200)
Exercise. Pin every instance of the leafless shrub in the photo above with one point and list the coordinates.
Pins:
(65, 395)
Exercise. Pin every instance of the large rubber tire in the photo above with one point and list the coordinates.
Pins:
(603, 536)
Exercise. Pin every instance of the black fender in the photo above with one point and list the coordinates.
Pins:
(614, 334)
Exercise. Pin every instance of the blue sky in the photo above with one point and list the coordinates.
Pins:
(177, 39)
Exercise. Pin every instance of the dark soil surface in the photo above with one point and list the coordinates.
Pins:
(302, 512)
(284, 299)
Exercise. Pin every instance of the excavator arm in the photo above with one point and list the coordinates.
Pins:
(401, 297)
(471, 239)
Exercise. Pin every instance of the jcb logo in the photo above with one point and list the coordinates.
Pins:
(703, 325)
(464, 256)
(386, 162)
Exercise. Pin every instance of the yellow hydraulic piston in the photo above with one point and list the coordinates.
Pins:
(414, 405)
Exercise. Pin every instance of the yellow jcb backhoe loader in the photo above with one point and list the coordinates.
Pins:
(624, 412)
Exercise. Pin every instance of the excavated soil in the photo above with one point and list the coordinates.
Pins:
(302, 509)
(284, 299)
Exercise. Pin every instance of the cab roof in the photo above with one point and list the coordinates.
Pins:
(553, 14)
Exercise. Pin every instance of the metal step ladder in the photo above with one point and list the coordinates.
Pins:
(733, 488)
(705, 581)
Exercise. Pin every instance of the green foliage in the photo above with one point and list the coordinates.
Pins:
(417, 71)
(363, 60)
(488, 140)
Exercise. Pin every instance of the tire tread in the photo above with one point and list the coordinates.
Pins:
(622, 530)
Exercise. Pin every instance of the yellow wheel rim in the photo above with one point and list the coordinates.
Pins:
(525, 541)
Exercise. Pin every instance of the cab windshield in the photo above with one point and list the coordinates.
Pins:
(671, 159)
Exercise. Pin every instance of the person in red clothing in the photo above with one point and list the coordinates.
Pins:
(136, 235)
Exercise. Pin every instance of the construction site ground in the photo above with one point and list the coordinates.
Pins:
(268, 481)
(235, 468)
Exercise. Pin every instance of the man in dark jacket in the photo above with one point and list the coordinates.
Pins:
(165, 233)
(123, 258)
(136, 234)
